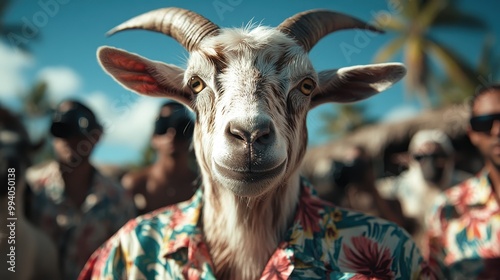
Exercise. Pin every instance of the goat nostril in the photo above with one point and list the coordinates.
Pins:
(238, 133)
(261, 134)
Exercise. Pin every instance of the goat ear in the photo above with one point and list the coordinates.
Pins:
(144, 76)
(356, 83)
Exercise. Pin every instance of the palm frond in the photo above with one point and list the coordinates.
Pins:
(430, 11)
(392, 23)
(4, 4)
(452, 17)
(390, 49)
(486, 57)
(455, 66)
(344, 118)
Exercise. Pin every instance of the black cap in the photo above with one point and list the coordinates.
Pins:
(179, 119)
(71, 119)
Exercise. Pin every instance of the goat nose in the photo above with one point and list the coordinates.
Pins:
(261, 133)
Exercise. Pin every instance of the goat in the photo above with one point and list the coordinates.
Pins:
(250, 89)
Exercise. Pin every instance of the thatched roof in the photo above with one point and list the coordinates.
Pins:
(393, 137)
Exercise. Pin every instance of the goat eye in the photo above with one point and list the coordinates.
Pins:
(307, 86)
(196, 84)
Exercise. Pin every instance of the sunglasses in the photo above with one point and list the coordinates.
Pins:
(483, 123)
(182, 126)
(64, 130)
(421, 157)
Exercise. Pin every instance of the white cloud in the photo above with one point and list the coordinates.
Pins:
(400, 113)
(12, 65)
(127, 120)
(62, 81)
(99, 103)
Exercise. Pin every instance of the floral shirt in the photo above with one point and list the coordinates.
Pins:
(464, 231)
(78, 232)
(324, 242)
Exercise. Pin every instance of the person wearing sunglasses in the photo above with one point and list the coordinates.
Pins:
(431, 169)
(76, 205)
(172, 177)
(464, 229)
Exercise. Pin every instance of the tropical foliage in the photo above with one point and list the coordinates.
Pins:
(344, 118)
(414, 27)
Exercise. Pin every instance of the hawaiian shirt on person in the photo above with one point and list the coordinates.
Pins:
(78, 232)
(464, 231)
(324, 242)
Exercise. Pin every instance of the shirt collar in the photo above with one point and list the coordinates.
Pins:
(312, 224)
(184, 233)
(479, 190)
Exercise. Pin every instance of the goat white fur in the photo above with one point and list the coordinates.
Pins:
(250, 89)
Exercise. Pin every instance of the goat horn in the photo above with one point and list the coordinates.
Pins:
(310, 26)
(186, 27)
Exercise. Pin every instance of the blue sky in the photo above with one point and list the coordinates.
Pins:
(64, 35)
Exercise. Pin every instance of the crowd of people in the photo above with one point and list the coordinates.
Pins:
(452, 215)
(71, 208)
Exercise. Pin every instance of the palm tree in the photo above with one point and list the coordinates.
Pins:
(35, 101)
(6, 30)
(344, 118)
(486, 71)
(414, 26)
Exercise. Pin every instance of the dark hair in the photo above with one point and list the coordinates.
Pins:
(480, 91)
(72, 118)
(77, 105)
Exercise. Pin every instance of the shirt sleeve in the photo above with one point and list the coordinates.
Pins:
(434, 248)
(107, 262)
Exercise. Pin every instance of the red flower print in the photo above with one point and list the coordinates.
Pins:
(367, 259)
(309, 212)
(178, 218)
(490, 250)
(129, 226)
(191, 273)
(464, 196)
(473, 222)
(279, 265)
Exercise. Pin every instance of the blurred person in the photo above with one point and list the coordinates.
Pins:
(431, 170)
(73, 202)
(355, 189)
(464, 228)
(171, 178)
(26, 252)
(348, 180)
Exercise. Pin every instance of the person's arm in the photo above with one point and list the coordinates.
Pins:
(134, 184)
(388, 209)
(107, 262)
(433, 249)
